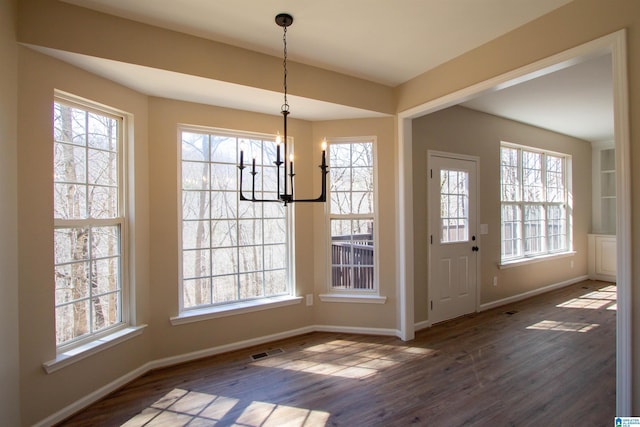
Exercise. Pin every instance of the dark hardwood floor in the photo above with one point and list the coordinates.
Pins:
(546, 361)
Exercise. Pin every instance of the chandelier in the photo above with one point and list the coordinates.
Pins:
(284, 195)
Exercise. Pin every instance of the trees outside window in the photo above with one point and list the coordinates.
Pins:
(534, 196)
(231, 250)
(352, 215)
(88, 220)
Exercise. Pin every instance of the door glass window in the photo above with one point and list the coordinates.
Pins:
(454, 206)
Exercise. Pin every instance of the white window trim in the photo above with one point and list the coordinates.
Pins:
(568, 180)
(69, 353)
(202, 313)
(234, 308)
(354, 295)
(98, 344)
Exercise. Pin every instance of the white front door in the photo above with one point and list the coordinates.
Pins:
(453, 240)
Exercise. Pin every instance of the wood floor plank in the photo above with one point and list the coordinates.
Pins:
(548, 360)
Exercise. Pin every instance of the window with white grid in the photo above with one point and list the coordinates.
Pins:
(89, 238)
(352, 215)
(231, 250)
(534, 198)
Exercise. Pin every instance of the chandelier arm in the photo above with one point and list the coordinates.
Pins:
(323, 194)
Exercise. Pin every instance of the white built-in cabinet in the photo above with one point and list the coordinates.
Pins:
(602, 243)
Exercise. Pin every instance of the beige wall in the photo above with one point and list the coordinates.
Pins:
(459, 130)
(9, 362)
(357, 314)
(41, 395)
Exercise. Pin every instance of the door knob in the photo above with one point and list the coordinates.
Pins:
(475, 249)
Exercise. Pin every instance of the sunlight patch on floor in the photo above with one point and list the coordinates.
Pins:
(552, 325)
(605, 297)
(189, 408)
(344, 358)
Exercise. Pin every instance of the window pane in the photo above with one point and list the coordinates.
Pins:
(105, 276)
(195, 205)
(556, 228)
(196, 292)
(454, 206)
(509, 174)
(555, 179)
(105, 241)
(103, 167)
(72, 282)
(70, 244)
(532, 176)
(275, 282)
(106, 309)
(225, 289)
(511, 235)
(250, 258)
(225, 261)
(195, 235)
(103, 132)
(275, 257)
(196, 263)
(533, 229)
(70, 201)
(72, 321)
(69, 163)
(224, 233)
(103, 202)
(195, 146)
(251, 285)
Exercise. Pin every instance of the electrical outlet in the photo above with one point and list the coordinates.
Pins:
(495, 280)
(309, 299)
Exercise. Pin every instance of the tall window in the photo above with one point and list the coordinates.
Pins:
(534, 195)
(352, 215)
(231, 250)
(88, 221)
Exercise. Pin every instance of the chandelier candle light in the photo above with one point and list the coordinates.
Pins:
(286, 196)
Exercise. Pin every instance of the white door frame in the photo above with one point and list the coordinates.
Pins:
(433, 228)
(614, 44)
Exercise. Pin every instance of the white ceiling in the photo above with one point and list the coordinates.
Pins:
(384, 41)
(576, 101)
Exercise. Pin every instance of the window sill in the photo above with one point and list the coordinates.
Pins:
(524, 261)
(76, 354)
(362, 299)
(198, 315)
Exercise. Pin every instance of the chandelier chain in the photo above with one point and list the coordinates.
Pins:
(285, 106)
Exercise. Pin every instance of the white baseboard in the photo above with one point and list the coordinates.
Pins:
(212, 351)
(528, 294)
(357, 330)
(422, 325)
(93, 397)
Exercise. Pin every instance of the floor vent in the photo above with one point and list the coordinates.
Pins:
(512, 312)
(264, 354)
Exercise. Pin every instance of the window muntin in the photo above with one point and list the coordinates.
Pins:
(231, 250)
(534, 196)
(352, 215)
(88, 221)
